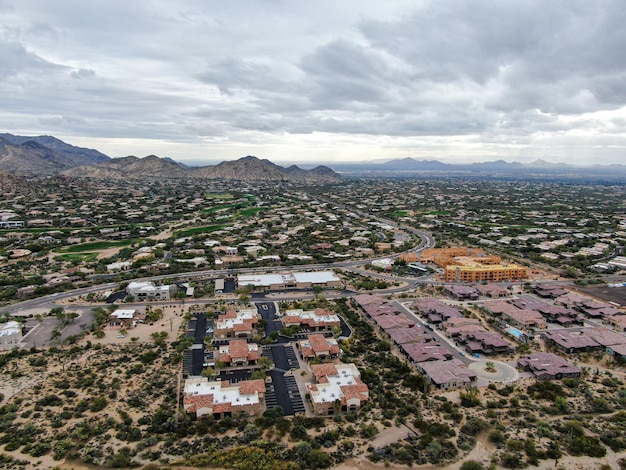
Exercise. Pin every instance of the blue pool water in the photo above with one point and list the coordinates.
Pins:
(515, 332)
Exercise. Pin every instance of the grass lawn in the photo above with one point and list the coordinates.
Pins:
(198, 230)
(400, 213)
(210, 210)
(77, 256)
(220, 196)
(101, 245)
(251, 211)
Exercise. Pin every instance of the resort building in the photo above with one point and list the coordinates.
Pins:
(221, 399)
(472, 265)
(477, 272)
(337, 387)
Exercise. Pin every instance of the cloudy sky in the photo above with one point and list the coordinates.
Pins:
(320, 81)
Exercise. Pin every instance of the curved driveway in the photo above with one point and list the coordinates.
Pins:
(503, 373)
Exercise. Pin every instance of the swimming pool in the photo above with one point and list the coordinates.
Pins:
(515, 332)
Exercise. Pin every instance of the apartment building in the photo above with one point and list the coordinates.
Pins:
(221, 398)
(337, 388)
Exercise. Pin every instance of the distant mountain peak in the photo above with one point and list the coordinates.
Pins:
(43, 155)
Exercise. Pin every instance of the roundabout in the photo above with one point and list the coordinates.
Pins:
(498, 372)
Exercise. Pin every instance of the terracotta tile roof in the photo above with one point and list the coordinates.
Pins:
(318, 343)
(223, 407)
(238, 348)
(249, 387)
(229, 314)
(358, 391)
(323, 370)
(197, 402)
(307, 351)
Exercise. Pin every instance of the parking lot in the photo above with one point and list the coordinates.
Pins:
(283, 390)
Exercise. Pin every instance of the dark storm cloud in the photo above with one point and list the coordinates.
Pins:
(494, 71)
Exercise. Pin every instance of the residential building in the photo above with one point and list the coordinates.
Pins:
(239, 353)
(571, 341)
(337, 387)
(447, 374)
(221, 398)
(127, 318)
(318, 346)
(311, 320)
(548, 366)
(236, 324)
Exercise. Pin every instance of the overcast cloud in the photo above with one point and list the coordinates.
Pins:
(199, 81)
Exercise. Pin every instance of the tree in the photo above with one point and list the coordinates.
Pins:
(472, 465)
(159, 337)
(208, 372)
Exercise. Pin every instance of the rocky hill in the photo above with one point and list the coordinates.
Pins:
(245, 169)
(43, 155)
(47, 155)
(254, 169)
(129, 168)
(11, 184)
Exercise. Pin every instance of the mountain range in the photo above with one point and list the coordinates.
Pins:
(46, 156)
(538, 169)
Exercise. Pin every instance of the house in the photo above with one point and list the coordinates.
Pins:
(571, 341)
(499, 307)
(408, 335)
(447, 374)
(389, 322)
(236, 324)
(491, 290)
(435, 311)
(427, 351)
(221, 399)
(317, 346)
(239, 353)
(617, 322)
(560, 315)
(484, 342)
(461, 326)
(594, 309)
(524, 318)
(375, 305)
(337, 387)
(311, 320)
(119, 266)
(548, 366)
(617, 350)
(459, 292)
(548, 292)
(126, 318)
